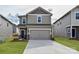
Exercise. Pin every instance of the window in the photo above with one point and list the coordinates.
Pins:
(39, 19)
(68, 30)
(77, 15)
(24, 21)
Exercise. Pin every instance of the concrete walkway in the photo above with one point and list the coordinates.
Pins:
(47, 47)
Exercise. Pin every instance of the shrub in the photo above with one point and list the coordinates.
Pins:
(15, 36)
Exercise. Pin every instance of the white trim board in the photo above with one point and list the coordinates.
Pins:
(40, 14)
(40, 29)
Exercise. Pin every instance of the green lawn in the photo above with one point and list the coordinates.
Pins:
(67, 42)
(12, 47)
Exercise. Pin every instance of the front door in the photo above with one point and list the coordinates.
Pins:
(22, 33)
(73, 33)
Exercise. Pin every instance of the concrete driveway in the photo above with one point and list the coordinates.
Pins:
(47, 47)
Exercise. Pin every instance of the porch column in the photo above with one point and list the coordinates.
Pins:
(71, 32)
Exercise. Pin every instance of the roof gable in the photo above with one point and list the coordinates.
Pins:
(39, 10)
(6, 19)
(66, 13)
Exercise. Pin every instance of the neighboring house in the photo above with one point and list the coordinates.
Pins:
(6, 27)
(36, 24)
(68, 24)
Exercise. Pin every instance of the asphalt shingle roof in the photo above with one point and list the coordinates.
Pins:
(39, 10)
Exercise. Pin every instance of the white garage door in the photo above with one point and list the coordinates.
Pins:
(39, 34)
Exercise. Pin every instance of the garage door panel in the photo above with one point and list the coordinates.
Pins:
(34, 34)
(39, 34)
(44, 34)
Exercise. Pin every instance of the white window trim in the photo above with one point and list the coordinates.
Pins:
(22, 21)
(75, 16)
(37, 19)
(68, 29)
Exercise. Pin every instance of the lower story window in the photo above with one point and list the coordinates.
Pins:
(68, 30)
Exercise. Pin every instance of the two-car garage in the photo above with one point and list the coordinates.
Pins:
(42, 34)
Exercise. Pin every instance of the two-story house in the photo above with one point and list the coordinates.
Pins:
(68, 24)
(7, 28)
(36, 24)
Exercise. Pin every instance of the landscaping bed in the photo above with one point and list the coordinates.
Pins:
(68, 42)
(12, 47)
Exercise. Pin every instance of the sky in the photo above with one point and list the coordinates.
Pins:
(39, 2)
(57, 10)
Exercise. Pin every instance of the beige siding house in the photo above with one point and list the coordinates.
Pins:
(36, 24)
(68, 25)
(6, 27)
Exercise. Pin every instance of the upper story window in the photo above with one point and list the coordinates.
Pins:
(39, 19)
(24, 21)
(77, 15)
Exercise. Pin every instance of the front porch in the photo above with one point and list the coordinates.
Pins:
(23, 33)
(76, 31)
(73, 32)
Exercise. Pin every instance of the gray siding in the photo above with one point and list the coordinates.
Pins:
(32, 19)
(60, 26)
(5, 31)
(74, 21)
